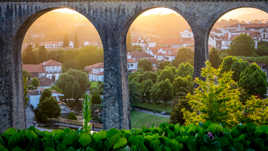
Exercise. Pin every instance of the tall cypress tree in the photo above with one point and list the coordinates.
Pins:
(65, 41)
(28, 56)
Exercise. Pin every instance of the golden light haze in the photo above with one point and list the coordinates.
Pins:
(66, 11)
(245, 14)
(161, 23)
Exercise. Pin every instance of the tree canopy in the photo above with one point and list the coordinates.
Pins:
(184, 55)
(242, 45)
(73, 83)
(145, 65)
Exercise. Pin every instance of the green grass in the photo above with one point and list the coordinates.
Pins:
(140, 120)
(154, 107)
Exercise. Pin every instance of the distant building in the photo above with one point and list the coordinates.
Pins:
(138, 55)
(52, 69)
(49, 69)
(95, 72)
(187, 34)
(35, 70)
(71, 44)
(221, 38)
(132, 65)
(52, 44)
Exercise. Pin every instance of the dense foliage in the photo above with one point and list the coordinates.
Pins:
(71, 116)
(73, 83)
(234, 64)
(145, 65)
(184, 55)
(253, 80)
(250, 77)
(47, 108)
(217, 99)
(76, 58)
(214, 57)
(167, 137)
(35, 83)
(161, 86)
(262, 48)
(242, 45)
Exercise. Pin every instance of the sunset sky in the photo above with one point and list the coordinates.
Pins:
(246, 14)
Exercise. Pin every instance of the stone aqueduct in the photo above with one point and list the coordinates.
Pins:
(111, 18)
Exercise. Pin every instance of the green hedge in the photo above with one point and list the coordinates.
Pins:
(167, 137)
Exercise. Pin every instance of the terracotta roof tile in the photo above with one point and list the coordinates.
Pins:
(33, 68)
(51, 63)
(97, 65)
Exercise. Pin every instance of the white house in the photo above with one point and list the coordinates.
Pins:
(52, 44)
(52, 69)
(186, 34)
(132, 65)
(95, 72)
(71, 44)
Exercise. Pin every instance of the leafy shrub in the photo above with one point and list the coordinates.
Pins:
(262, 48)
(242, 45)
(176, 115)
(146, 90)
(214, 57)
(185, 69)
(145, 65)
(256, 111)
(237, 66)
(167, 137)
(215, 99)
(184, 55)
(162, 91)
(45, 94)
(183, 86)
(35, 83)
(253, 80)
(96, 106)
(166, 73)
(48, 108)
(134, 91)
(72, 116)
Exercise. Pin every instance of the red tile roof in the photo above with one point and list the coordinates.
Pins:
(33, 68)
(51, 63)
(131, 61)
(97, 65)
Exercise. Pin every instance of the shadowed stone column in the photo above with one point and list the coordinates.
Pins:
(116, 103)
(11, 90)
(201, 50)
